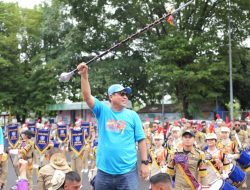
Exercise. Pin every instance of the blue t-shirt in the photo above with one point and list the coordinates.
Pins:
(118, 133)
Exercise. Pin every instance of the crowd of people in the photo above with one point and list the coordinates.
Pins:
(179, 155)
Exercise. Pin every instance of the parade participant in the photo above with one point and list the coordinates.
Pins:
(217, 162)
(22, 183)
(227, 145)
(242, 135)
(45, 175)
(157, 155)
(204, 127)
(89, 137)
(118, 129)
(77, 157)
(218, 124)
(148, 134)
(93, 169)
(199, 137)
(247, 119)
(187, 164)
(68, 181)
(25, 152)
(174, 141)
(3, 161)
(3, 170)
(161, 181)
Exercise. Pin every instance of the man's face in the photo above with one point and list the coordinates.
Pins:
(188, 140)
(72, 185)
(161, 186)
(203, 125)
(237, 125)
(194, 128)
(119, 98)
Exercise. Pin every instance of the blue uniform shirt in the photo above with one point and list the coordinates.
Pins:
(118, 133)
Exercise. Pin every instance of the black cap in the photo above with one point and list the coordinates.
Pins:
(188, 132)
(28, 133)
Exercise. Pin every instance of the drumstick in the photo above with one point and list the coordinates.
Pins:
(238, 140)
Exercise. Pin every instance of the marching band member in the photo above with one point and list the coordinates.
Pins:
(247, 119)
(187, 164)
(242, 137)
(25, 152)
(217, 161)
(174, 140)
(199, 136)
(77, 159)
(227, 145)
(157, 155)
(3, 161)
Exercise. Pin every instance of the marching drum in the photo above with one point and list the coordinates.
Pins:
(244, 159)
(221, 185)
(236, 175)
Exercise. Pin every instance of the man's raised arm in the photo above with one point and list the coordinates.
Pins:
(86, 91)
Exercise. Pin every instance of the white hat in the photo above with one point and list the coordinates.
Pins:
(176, 128)
(225, 129)
(159, 136)
(57, 179)
(211, 136)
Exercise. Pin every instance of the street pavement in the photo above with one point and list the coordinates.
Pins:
(12, 180)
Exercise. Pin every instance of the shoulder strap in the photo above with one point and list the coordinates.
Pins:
(192, 183)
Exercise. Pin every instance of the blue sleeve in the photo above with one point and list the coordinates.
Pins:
(98, 107)
(139, 132)
(1, 136)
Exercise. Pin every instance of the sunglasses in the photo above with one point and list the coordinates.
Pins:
(122, 93)
(237, 124)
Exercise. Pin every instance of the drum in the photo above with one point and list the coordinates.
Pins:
(236, 175)
(221, 185)
(244, 159)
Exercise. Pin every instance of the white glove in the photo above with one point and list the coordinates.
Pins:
(230, 157)
(224, 175)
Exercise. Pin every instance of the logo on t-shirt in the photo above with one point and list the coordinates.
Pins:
(116, 126)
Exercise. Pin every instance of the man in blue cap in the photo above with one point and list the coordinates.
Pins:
(118, 131)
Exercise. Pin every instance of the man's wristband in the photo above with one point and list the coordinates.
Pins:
(145, 162)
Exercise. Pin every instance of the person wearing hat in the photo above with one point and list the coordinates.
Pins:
(65, 181)
(57, 162)
(174, 140)
(187, 164)
(227, 145)
(3, 161)
(119, 129)
(217, 162)
(25, 152)
(157, 154)
(77, 159)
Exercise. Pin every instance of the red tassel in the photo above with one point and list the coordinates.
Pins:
(227, 120)
(211, 128)
(217, 116)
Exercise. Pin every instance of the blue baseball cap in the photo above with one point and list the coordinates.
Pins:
(118, 88)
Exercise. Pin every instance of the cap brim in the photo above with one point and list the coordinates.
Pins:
(188, 133)
(128, 90)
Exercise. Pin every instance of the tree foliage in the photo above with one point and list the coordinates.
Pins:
(188, 61)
